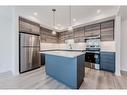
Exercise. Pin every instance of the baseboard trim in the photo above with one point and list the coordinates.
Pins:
(123, 73)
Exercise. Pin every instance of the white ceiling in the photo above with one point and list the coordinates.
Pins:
(122, 12)
(80, 13)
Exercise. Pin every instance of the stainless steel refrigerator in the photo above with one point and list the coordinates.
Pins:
(29, 52)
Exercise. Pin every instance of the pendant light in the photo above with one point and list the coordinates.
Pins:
(70, 28)
(54, 32)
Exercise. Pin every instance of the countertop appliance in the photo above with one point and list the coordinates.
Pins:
(92, 56)
(29, 47)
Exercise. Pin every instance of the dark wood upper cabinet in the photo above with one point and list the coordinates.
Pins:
(103, 29)
(107, 31)
(79, 32)
(79, 39)
(92, 30)
(65, 35)
(61, 37)
(68, 35)
(46, 36)
(28, 26)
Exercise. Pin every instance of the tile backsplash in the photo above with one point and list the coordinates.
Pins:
(105, 46)
(49, 46)
(108, 46)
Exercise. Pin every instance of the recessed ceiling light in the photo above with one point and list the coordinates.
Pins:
(35, 13)
(74, 19)
(98, 11)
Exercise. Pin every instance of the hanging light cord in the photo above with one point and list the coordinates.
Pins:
(70, 15)
(54, 17)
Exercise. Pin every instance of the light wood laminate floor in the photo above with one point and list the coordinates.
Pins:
(37, 79)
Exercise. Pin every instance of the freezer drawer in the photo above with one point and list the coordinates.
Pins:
(29, 58)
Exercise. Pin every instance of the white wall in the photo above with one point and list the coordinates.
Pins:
(108, 46)
(6, 42)
(117, 45)
(124, 45)
(48, 46)
(123, 36)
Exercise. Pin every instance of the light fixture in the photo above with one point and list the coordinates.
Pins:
(35, 13)
(98, 11)
(54, 32)
(70, 29)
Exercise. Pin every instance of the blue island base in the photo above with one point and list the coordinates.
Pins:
(69, 71)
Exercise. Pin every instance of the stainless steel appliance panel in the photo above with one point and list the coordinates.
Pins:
(29, 40)
(29, 52)
(25, 60)
(35, 58)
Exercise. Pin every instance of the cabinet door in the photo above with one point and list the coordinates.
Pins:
(35, 29)
(61, 37)
(43, 38)
(92, 30)
(51, 39)
(28, 26)
(107, 61)
(24, 27)
(79, 32)
(79, 39)
(68, 35)
(61, 40)
(107, 31)
(47, 36)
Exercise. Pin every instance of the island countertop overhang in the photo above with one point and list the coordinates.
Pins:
(69, 54)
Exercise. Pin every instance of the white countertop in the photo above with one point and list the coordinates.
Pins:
(64, 53)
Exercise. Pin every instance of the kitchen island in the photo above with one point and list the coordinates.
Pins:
(66, 67)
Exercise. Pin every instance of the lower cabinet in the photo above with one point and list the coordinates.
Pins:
(42, 59)
(107, 61)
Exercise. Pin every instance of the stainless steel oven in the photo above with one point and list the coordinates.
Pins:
(92, 60)
(92, 56)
